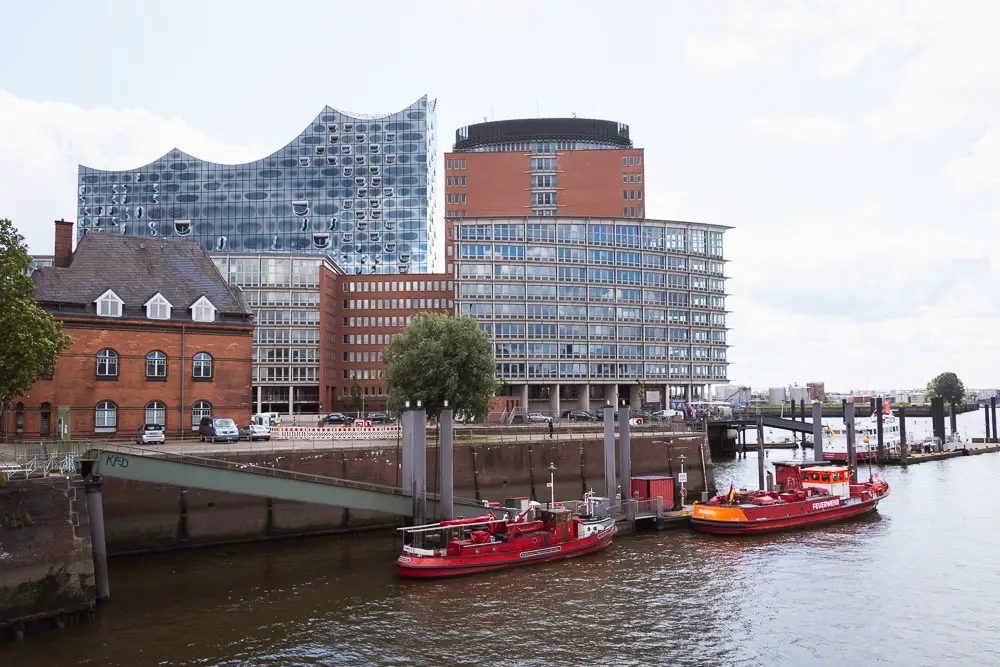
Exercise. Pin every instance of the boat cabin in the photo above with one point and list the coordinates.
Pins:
(836, 480)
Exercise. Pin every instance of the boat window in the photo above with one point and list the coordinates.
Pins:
(826, 477)
(814, 477)
(805, 477)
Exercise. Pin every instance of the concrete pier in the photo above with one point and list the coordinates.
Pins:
(98, 541)
(446, 463)
(610, 480)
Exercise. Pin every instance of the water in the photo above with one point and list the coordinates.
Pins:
(915, 584)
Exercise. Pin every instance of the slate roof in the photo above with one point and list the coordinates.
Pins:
(136, 268)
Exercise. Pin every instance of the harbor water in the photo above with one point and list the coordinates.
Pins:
(917, 583)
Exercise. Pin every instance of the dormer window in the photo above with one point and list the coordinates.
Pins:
(109, 305)
(158, 308)
(203, 311)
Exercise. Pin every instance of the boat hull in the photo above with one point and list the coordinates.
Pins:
(783, 517)
(437, 567)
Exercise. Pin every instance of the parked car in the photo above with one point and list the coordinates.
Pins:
(581, 416)
(337, 418)
(664, 415)
(379, 417)
(537, 417)
(599, 415)
(218, 428)
(150, 434)
(255, 432)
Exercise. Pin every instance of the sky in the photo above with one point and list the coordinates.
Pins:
(854, 147)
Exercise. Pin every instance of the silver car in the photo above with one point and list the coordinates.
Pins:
(150, 434)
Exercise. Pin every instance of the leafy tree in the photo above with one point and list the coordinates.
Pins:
(356, 400)
(32, 339)
(440, 358)
(948, 387)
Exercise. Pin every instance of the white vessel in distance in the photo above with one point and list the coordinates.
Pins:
(866, 437)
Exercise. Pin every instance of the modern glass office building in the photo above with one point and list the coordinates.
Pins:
(584, 310)
(358, 189)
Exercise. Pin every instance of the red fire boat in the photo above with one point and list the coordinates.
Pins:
(506, 538)
(807, 495)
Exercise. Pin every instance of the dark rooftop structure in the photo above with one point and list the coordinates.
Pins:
(592, 130)
(136, 269)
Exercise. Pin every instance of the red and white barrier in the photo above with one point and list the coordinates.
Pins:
(381, 432)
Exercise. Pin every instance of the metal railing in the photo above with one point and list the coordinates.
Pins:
(28, 459)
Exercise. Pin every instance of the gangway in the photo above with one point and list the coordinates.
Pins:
(149, 465)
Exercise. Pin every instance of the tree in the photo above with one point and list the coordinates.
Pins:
(32, 339)
(948, 387)
(440, 358)
(356, 399)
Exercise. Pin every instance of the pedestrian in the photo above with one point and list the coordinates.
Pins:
(551, 428)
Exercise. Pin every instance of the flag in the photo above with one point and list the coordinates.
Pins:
(732, 493)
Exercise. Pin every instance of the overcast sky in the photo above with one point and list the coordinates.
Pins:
(853, 146)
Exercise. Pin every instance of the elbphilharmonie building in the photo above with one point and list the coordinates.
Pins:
(357, 188)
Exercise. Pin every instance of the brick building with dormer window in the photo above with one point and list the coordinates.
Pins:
(158, 336)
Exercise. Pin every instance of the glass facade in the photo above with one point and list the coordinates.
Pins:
(609, 301)
(356, 189)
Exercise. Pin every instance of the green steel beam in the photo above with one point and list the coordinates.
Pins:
(269, 484)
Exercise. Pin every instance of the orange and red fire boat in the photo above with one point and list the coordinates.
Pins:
(807, 495)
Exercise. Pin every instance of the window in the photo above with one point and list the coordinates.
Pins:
(156, 413)
(107, 364)
(106, 417)
(109, 305)
(202, 366)
(45, 419)
(156, 366)
(19, 419)
(158, 308)
(199, 411)
(204, 311)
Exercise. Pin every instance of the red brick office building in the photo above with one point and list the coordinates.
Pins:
(158, 335)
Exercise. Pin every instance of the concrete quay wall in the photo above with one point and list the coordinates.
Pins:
(46, 563)
(141, 516)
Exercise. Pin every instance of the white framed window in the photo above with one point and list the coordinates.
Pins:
(203, 311)
(107, 364)
(109, 304)
(199, 411)
(158, 308)
(156, 365)
(156, 413)
(202, 366)
(106, 417)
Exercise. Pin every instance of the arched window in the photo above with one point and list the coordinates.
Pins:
(156, 413)
(202, 367)
(156, 366)
(45, 419)
(107, 364)
(106, 417)
(199, 411)
(19, 419)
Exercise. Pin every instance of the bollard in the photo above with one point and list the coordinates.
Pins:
(986, 414)
(609, 452)
(446, 465)
(880, 450)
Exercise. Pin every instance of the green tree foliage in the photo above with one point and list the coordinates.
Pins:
(356, 397)
(948, 387)
(438, 358)
(31, 338)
